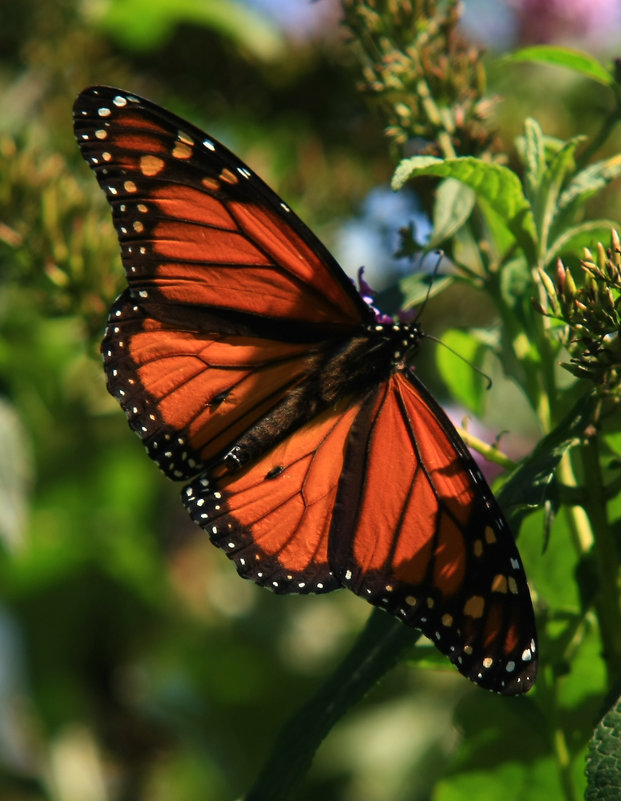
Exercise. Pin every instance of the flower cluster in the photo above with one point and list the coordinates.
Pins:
(591, 315)
(427, 81)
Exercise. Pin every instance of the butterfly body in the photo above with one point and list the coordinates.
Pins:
(252, 369)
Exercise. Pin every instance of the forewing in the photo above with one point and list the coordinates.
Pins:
(197, 227)
(230, 295)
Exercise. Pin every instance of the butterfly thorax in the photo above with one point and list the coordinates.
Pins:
(339, 371)
(363, 361)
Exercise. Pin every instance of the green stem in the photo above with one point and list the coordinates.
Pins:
(600, 137)
(606, 556)
(563, 763)
(490, 452)
(377, 649)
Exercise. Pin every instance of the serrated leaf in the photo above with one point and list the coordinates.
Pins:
(547, 204)
(464, 384)
(574, 239)
(497, 185)
(533, 156)
(603, 767)
(590, 181)
(532, 484)
(567, 57)
(453, 205)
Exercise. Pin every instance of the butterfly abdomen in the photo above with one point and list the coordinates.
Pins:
(349, 369)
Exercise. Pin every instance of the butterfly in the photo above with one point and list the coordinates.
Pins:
(253, 370)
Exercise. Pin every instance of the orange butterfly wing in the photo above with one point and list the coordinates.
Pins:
(188, 394)
(273, 518)
(429, 543)
(380, 497)
(231, 298)
(243, 357)
(198, 228)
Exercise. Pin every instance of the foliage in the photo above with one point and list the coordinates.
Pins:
(602, 761)
(130, 653)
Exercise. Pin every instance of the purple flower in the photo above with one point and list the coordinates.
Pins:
(367, 294)
(540, 21)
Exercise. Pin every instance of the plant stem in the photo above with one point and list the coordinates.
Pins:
(377, 649)
(563, 762)
(600, 137)
(606, 557)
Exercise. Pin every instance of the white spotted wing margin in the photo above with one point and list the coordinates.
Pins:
(236, 353)
(273, 517)
(403, 518)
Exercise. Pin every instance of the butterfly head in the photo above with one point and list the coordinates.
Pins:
(404, 341)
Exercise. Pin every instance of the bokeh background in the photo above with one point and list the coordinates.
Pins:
(134, 663)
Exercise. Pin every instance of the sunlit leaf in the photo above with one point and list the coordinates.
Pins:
(464, 384)
(533, 156)
(575, 60)
(146, 24)
(497, 185)
(453, 205)
(591, 180)
(547, 204)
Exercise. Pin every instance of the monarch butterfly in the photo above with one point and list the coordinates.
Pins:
(252, 369)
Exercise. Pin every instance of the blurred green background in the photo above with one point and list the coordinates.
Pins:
(134, 663)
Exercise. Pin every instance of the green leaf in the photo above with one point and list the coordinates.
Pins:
(464, 384)
(515, 283)
(585, 681)
(509, 781)
(533, 156)
(575, 60)
(497, 185)
(574, 239)
(504, 753)
(589, 181)
(144, 25)
(410, 291)
(532, 484)
(547, 203)
(453, 205)
(603, 766)
(497, 232)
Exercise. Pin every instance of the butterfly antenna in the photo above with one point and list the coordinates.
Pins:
(463, 358)
(440, 255)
